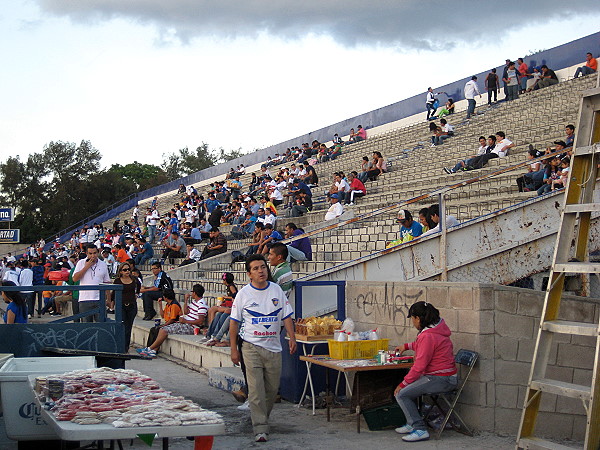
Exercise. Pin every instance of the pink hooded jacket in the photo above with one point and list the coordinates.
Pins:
(434, 354)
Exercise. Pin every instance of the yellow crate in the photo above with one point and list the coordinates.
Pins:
(356, 349)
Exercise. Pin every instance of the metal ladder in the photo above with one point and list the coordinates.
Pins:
(574, 227)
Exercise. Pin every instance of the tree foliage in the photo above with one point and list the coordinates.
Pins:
(63, 184)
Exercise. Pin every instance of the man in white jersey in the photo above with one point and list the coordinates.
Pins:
(259, 310)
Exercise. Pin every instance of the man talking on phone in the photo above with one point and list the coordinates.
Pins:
(90, 271)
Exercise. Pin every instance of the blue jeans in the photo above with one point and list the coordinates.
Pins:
(224, 327)
(459, 165)
(584, 70)
(471, 107)
(430, 110)
(151, 233)
(216, 324)
(427, 384)
(142, 258)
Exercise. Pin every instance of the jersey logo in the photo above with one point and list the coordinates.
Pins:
(264, 319)
(275, 301)
(253, 304)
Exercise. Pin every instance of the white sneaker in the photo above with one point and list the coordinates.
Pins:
(245, 407)
(350, 204)
(404, 429)
(432, 145)
(261, 437)
(416, 435)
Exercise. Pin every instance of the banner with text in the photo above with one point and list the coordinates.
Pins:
(9, 236)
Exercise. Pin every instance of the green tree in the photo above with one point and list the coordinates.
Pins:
(143, 176)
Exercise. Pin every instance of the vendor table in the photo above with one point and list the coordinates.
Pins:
(308, 347)
(70, 431)
(358, 366)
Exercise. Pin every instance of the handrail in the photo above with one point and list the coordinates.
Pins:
(419, 198)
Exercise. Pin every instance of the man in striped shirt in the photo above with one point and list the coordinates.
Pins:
(281, 270)
(194, 315)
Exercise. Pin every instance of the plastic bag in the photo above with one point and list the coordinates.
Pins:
(348, 325)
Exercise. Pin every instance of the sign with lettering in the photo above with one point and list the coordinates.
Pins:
(7, 215)
(10, 236)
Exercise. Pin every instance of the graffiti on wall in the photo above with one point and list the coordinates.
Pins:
(387, 306)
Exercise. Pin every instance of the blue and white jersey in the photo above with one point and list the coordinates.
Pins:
(260, 313)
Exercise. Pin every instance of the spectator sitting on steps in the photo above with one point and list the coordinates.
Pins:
(548, 78)
(465, 163)
(434, 217)
(194, 315)
(216, 246)
(591, 66)
(336, 209)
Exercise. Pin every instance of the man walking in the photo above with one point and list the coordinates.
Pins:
(471, 90)
(260, 309)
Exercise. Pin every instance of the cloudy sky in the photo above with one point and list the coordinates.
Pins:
(140, 78)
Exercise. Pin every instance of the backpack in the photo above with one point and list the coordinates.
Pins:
(152, 335)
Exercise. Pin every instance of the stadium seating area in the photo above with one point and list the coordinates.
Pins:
(537, 118)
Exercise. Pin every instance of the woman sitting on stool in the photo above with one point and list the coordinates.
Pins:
(433, 372)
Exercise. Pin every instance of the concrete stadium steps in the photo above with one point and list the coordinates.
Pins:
(420, 171)
(184, 347)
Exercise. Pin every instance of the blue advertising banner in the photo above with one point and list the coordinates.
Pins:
(10, 236)
(7, 215)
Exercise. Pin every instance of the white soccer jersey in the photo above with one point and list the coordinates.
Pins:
(261, 313)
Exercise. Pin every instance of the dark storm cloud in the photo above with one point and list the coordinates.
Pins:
(414, 24)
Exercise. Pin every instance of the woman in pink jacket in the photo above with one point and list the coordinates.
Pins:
(434, 370)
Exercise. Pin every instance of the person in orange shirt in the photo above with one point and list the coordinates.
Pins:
(122, 254)
(591, 66)
(172, 310)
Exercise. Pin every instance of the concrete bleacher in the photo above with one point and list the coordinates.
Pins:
(537, 118)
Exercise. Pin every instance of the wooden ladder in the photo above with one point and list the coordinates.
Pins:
(574, 227)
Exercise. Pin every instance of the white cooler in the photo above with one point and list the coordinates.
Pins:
(22, 417)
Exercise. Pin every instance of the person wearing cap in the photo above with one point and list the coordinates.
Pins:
(336, 209)
(470, 91)
(410, 228)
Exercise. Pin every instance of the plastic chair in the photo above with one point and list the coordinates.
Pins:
(466, 358)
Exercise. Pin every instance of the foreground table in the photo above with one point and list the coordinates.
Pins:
(70, 431)
(357, 366)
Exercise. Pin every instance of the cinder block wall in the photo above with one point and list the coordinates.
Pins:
(500, 323)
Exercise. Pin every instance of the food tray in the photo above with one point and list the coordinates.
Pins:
(356, 349)
(320, 337)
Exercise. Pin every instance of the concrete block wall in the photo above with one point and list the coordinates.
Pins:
(501, 323)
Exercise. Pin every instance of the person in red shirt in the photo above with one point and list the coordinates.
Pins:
(433, 371)
(523, 75)
(357, 188)
(591, 66)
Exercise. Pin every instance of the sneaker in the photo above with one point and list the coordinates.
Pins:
(432, 145)
(245, 406)
(416, 435)
(404, 429)
(448, 171)
(29, 316)
(148, 353)
(350, 204)
(204, 339)
(261, 437)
